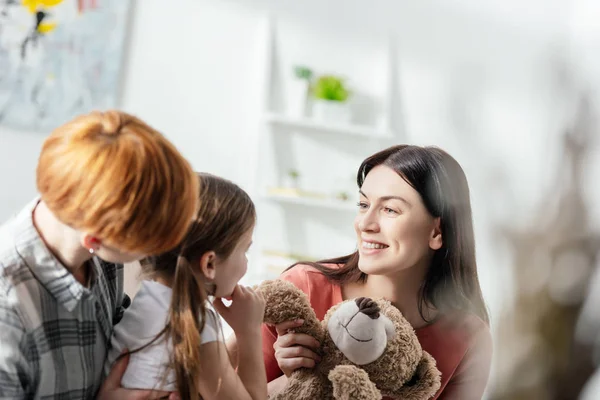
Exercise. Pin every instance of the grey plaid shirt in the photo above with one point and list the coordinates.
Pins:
(53, 331)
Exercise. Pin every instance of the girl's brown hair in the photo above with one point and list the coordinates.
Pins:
(226, 212)
(451, 282)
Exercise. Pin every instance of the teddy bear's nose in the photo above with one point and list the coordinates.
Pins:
(368, 307)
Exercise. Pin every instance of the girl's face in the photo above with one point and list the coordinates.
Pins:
(394, 229)
(229, 271)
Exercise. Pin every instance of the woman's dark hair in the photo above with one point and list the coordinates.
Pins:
(225, 214)
(451, 283)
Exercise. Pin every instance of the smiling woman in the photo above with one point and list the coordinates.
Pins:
(416, 248)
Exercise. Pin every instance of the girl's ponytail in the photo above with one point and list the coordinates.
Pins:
(187, 316)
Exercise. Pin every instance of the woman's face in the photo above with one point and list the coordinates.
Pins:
(394, 229)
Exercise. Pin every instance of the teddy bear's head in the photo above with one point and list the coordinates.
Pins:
(374, 335)
(360, 331)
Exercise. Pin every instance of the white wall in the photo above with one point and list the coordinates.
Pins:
(191, 73)
(18, 159)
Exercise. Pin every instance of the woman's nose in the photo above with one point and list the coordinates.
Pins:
(368, 223)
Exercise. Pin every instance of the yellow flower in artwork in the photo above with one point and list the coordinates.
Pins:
(46, 27)
(34, 5)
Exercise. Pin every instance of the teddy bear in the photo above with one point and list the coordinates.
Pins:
(368, 349)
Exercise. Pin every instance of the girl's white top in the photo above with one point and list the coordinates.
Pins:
(142, 321)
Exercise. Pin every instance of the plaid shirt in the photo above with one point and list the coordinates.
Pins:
(54, 332)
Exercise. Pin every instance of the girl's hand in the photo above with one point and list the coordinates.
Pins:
(294, 350)
(246, 312)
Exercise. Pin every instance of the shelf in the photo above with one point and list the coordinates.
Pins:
(314, 125)
(326, 203)
(273, 154)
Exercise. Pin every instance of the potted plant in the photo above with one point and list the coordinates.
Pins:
(291, 179)
(331, 99)
(298, 89)
(343, 196)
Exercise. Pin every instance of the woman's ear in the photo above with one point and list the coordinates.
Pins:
(436, 241)
(90, 242)
(208, 265)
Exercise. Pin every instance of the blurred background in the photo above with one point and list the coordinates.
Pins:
(286, 98)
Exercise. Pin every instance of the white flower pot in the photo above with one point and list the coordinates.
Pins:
(332, 111)
(297, 94)
(291, 183)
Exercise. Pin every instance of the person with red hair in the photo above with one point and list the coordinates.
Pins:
(111, 190)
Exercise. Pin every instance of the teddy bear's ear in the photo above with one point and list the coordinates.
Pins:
(425, 383)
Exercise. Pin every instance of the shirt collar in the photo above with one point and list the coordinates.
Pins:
(50, 272)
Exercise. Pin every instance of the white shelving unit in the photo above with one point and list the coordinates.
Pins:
(330, 204)
(327, 154)
(312, 125)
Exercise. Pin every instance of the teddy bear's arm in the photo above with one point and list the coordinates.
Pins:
(285, 302)
(352, 383)
(304, 384)
(424, 384)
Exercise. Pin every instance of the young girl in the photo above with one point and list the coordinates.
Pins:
(415, 247)
(170, 329)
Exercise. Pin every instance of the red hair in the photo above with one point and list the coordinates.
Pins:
(113, 176)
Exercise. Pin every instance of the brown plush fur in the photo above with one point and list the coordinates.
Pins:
(350, 382)
(404, 370)
(285, 302)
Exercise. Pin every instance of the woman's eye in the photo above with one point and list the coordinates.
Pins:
(362, 205)
(390, 211)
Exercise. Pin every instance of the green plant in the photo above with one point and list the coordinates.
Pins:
(294, 174)
(344, 196)
(303, 72)
(329, 87)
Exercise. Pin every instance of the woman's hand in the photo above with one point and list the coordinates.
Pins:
(294, 350)
(246, 312)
